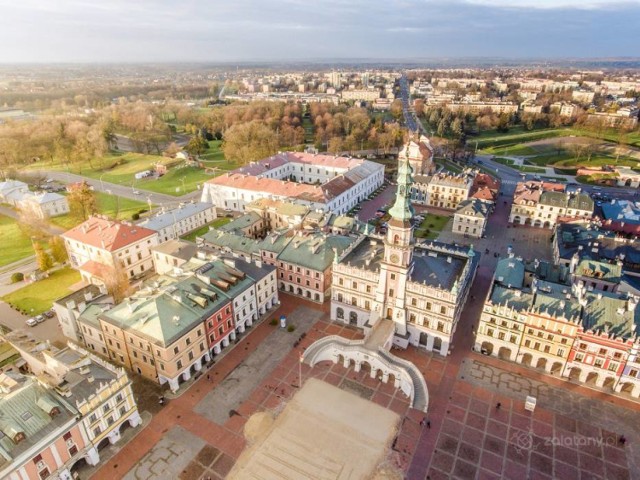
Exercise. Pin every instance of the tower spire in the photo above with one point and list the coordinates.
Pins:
(402, 209)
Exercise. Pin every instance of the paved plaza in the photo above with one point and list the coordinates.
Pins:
(264, 357)
(573, 433)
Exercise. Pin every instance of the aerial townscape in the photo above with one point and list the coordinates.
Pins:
(381, 241)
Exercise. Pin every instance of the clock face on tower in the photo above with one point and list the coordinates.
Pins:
(394, 258)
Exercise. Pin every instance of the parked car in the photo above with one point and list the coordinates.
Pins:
(31, 322)
(49, 314)
(40, 318)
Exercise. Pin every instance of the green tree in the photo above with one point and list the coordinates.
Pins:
(82, 202)
(197, 145)
(244, 142)
(44, 260)
(58, 250)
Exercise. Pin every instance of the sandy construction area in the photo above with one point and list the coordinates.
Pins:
(323, 433)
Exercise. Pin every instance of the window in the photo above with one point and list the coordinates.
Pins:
(443, 310)
(579, 357)
(190, 355)
(527, 343)
(176, 350)
(598, 363)
(179, 364)
(188, 341)
(105, 408)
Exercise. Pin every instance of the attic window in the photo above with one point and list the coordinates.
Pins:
(26, 416)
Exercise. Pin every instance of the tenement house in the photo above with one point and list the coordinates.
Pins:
(99, 245)
(541, 204)
(541, 316)
(421, 287)
(62, 413)
(174, 325)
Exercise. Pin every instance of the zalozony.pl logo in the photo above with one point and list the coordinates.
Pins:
(523, 441)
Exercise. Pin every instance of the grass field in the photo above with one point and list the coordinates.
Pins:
(307, 124)
(15, 244)
(40, 295)
(121, 169)
(523, 168)
(119, 208)
(218, 222)
(431, 227)
(512, 150)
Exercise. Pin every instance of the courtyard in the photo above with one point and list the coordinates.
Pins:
(572, 430)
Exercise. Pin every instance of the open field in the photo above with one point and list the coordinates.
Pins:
(217, 223)
(38, 297)
(15, 244)
(493, 138)
(431, 226)
(121, 169)
(118, 208)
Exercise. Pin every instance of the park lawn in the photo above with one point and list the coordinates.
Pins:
(494, 139)
(117, 167)
(171, 183)
(523, 168)
(15, 244)
(38, 297)
(214, 152)
(118, 208)
(512, 150)
(307, 124)
(431, 227)
(503, 161)
(217, 223)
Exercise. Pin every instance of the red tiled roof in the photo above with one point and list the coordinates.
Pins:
(485, 180)
(270, 185)
(484, 194)
(107, 234)
(261, 166)
(621, 227)
(96, 269)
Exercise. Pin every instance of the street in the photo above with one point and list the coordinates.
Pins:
(125, 191)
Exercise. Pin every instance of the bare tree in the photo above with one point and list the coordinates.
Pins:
(116, 282)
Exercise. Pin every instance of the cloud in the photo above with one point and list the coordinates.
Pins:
(557, 4)
(223, 30)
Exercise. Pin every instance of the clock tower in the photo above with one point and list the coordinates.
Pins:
(398, 253)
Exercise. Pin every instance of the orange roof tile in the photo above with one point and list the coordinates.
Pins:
(107, 234)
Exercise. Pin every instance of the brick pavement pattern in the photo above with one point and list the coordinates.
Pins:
(466, 437)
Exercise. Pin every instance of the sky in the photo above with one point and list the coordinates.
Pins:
(263, 30)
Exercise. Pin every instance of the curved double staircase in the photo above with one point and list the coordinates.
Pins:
(406, 375)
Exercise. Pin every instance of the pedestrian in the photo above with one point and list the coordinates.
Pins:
(422, 422)
(208, 377)
(623, 440)
(498, 405)
(429, 424)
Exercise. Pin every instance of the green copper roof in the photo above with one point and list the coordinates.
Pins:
(402, 209)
